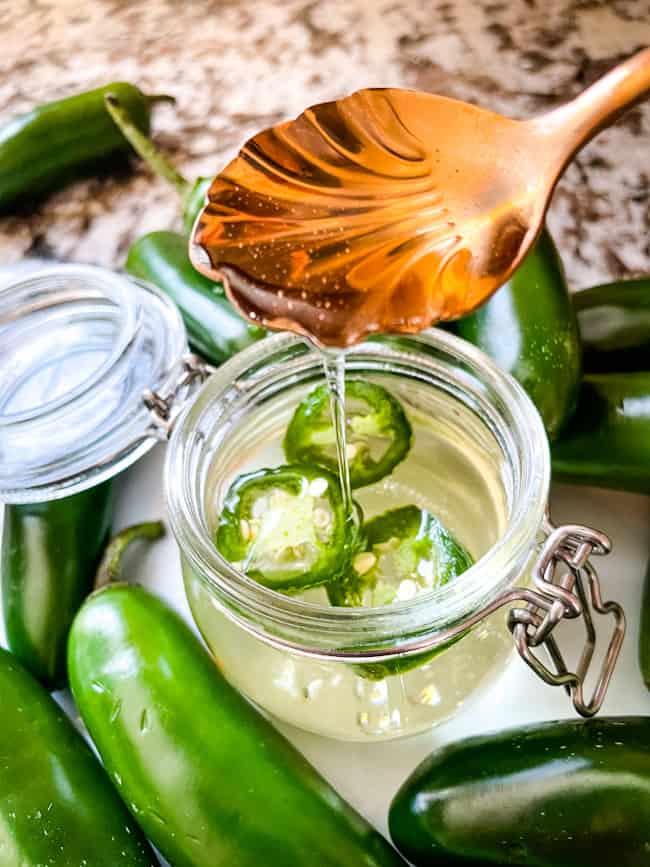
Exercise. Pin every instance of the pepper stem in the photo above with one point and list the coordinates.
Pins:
(154, 98)
(143, 146)
(111, 564)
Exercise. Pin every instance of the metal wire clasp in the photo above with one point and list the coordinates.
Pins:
(567, 587)
(165, 406)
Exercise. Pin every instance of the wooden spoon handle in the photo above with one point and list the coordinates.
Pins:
(574, 124)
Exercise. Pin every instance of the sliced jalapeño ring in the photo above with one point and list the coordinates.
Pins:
(378, 432)
(408, 552)
(286, 528)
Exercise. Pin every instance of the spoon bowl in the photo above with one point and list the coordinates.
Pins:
(390, 210)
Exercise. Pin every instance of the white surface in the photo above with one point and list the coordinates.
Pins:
(368, 775)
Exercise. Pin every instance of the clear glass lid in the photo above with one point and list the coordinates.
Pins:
(78, 347)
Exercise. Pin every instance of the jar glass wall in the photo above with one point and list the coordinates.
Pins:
(479, 462)
(78, 347)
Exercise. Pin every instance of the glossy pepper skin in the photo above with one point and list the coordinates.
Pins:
(57, 807)
(614, 321)
(214, 328)
(644, 635)
(50, 552)
(529, 328)
(558, 794)
(208, 779)
(607, 442)
(62, 141)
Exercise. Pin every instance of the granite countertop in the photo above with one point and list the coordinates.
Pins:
(235, 66)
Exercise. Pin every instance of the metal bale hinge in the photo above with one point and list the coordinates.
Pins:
(567, 587)
(165, 406)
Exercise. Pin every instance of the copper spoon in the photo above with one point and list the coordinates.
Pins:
(389, 210)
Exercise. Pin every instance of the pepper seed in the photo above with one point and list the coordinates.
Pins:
(362, 563)
(321, 518)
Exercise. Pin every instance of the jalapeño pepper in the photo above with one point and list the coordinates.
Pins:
(529, 328)
(214, 328)
(378, 432)
(50, 552)
(607, 442)
(193, 195)
(286, 528)
(58, 806)
(614, 322)
(62, 141)
(557, 794)
(209, 780)
(408, 551)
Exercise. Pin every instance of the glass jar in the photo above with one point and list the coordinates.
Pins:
(78, 348)
(371, 673)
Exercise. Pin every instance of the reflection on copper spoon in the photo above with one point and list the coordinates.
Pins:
(389, 210)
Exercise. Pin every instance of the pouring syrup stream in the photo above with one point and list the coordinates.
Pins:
(334, 366)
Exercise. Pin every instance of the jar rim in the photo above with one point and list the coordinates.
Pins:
(316, 629)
